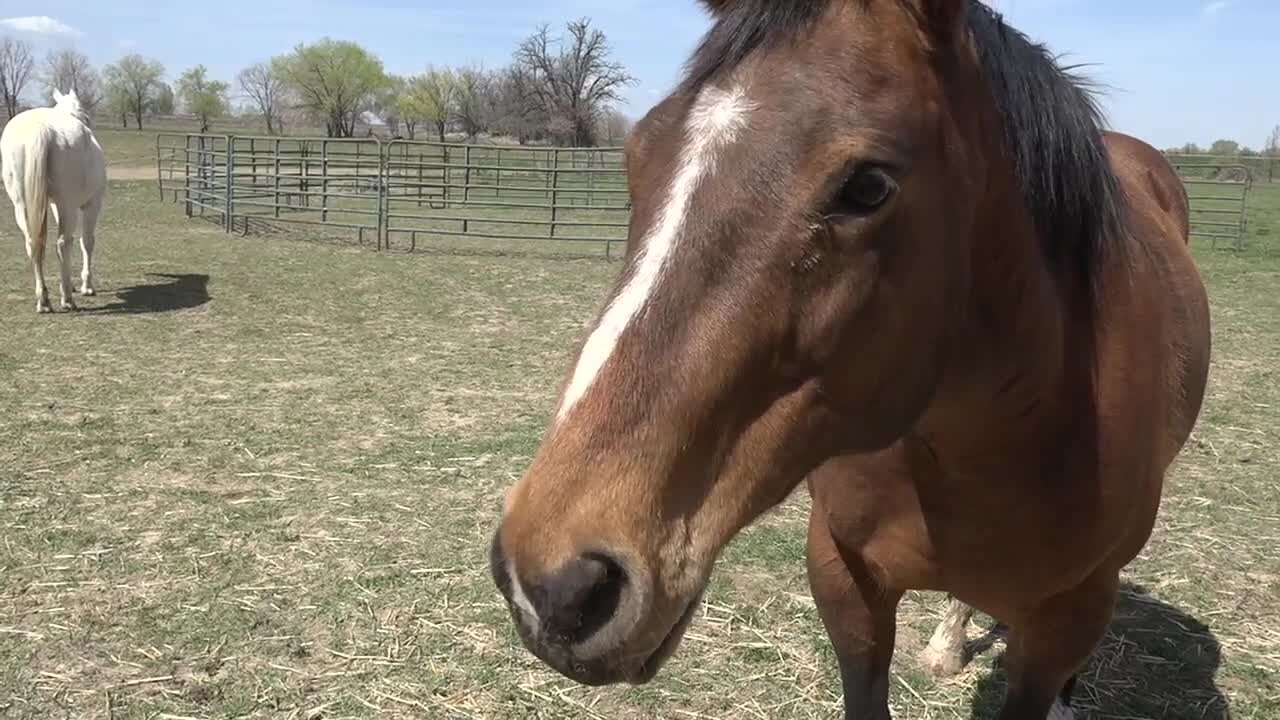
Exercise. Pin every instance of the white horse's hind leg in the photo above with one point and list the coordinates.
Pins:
(35, 251)
(945, 655)
(66, 222)
(88, 236)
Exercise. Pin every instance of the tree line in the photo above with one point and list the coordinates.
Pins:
(561, 88)
(1231, 148)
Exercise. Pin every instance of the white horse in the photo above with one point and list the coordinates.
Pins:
(52, 161)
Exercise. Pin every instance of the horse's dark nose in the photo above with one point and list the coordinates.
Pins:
(579, 599)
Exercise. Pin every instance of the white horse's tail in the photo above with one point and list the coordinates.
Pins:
(35, 185)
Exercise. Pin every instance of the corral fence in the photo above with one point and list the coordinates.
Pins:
(1219, 197)
(1262, 168)
(389, 193)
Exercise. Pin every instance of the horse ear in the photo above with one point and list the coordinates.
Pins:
(946, 18)
(717, 6)
(57, 95)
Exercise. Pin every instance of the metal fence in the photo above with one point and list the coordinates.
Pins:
(1219, 197)
(390, 193)
(1262, 168)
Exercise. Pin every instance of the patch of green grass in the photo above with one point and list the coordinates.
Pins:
(256, 477)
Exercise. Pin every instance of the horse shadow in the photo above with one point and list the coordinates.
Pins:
(176, 292)
(1156, 662)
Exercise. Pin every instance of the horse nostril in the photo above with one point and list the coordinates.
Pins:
(580, 598)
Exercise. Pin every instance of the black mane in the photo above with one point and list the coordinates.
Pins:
(1053, 126)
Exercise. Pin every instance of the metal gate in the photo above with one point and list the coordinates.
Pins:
(1219, 195)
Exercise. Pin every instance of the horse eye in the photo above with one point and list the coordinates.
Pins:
(866, 191)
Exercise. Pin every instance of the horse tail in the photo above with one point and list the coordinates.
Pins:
(35, 185)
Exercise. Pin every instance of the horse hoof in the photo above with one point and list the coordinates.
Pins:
(88, 292)
(69, 307)
(43, 309)
(942, 664)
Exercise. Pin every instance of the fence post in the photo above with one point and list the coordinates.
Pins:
(555, 190)
(324, 181)
(186, 178)
(384, 220)
(466, 177)
(159, 170)
(230, 188)
(304, 181)
(448, 174)
(419, 162)
(276, 201)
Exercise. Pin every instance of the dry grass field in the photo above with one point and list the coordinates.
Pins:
(256, 476)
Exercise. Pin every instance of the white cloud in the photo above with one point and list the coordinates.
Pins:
(40, 24)
(1216, 7)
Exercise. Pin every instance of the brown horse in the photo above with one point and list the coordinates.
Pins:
(883, 246)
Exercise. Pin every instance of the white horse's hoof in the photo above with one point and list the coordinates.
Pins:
(88, 292)
(1061, 712)
(942, 663)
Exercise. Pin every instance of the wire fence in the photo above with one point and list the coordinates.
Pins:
(391, 193)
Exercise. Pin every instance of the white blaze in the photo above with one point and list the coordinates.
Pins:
(715, 121)
(519, 598)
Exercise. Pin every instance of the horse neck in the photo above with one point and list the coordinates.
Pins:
(1015, 375)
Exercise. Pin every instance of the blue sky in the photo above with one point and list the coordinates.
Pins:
(1178, 70)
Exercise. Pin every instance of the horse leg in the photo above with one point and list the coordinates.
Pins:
(945, 655)
(1052, 644)
(66, 221)
(860, 618)
(35, 251)
(88, 236)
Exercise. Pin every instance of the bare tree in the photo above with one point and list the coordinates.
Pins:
(615, 126)
(67, 70)
(515, 112)
(16, 66)
(135, 82)
(471, 98)
(265, 91)
(573, 80)
(1272, 148)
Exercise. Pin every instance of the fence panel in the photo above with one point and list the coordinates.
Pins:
(308, 181)
(399, 190)
(1262, 168)
(197, 166)
(501, 192)
(1219, 196)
